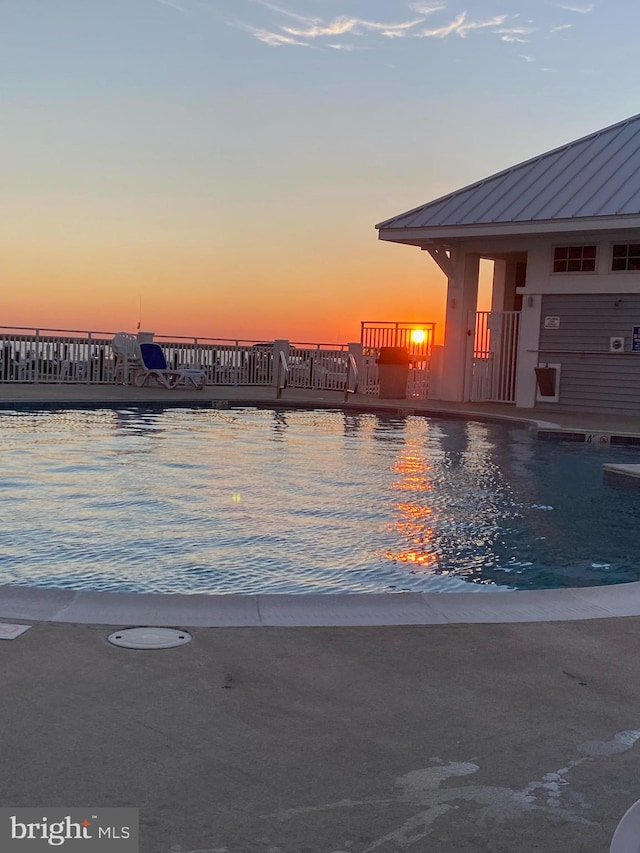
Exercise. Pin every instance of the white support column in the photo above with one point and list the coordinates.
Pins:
(528, 343)
(499, 284)
(462, 299)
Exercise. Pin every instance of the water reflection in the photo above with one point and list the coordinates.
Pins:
(297, 501)
(352, 424)
(454, 501)
(279, 426)
(413, 527)
(142, 422)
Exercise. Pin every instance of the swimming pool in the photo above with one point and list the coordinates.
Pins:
(252, 500)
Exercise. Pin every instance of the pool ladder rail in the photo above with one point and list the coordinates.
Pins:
(352, 369)
(283, 374)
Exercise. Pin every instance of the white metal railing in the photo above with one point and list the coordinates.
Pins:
(495, 354)
(322, 369)
(418, 338)
(33, 355)
(73, 356)
(369, 383)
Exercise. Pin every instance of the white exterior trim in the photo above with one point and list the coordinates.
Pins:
(420, 236)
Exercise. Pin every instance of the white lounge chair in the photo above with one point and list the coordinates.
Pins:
(127, 357)
(154, 369)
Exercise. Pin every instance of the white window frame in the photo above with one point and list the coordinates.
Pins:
(594, 271)
(622, 272)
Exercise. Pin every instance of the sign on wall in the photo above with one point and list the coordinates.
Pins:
(552, 322)
(635, 339)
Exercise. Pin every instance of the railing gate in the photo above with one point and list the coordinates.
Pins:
(495, 356)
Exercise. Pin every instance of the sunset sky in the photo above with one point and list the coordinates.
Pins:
(216, 167)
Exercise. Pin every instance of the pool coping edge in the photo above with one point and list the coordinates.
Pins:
(317, 610)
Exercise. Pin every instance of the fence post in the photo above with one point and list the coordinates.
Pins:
(36, 358)
(89, 362)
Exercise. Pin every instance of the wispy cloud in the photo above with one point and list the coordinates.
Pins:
(392, 30)
(340, 26)
(344, 47)
(270, 38)
(581, 10)
(277, 40)
(349, 32)
(173, 4)
(526, 57)
(309, 28)
(515, 34)
(462, 26)
(334, 28)
(281, 10)
(521, 31)
(427, 8)
(447, 29)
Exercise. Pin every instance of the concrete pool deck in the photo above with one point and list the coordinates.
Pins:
(259, 737)
(432, 739)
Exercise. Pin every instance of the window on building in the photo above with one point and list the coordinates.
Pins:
(626, 256)
(574, 259)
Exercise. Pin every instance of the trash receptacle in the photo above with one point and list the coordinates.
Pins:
(393, 372)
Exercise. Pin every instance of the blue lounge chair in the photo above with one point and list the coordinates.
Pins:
(154, 370)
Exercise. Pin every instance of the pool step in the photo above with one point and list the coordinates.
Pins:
(626, 475)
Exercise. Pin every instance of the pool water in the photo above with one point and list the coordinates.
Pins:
(251, 500)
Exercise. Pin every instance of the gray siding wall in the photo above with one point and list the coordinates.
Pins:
(592, 378)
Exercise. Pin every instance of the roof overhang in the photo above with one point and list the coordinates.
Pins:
(587, 226)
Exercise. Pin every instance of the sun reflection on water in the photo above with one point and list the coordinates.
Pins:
(411, 527)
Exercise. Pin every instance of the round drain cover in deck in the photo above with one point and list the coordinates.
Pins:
(149, 638)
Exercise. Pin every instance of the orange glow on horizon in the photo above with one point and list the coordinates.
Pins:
(64, 270)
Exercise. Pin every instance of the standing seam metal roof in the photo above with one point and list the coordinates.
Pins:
(598, 175)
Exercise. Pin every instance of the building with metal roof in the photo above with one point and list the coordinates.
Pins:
(563, 231)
